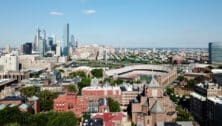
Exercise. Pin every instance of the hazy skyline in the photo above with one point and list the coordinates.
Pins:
(119, 23)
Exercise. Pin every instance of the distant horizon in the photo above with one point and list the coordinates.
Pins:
(125, 23)
(128, 47)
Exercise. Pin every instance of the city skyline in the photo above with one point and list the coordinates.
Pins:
(115, 23)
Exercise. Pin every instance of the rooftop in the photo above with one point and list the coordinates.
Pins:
(215, 99)
(198, 96)
(157, 108)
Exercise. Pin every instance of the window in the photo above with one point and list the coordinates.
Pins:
(70, 106)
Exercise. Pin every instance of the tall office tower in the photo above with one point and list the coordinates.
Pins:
(65, 42)
(76, 44)
(44, 34)
(37, 39)
(50, 42)
(42, 46)
(27, 48)
(58, 50)
(34, 43)
(72, 41)
(215, 52)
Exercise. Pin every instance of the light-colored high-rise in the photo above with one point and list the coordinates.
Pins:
(65, 41)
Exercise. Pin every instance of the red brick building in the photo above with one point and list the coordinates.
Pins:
(153, 106)
(102, 92)
(112, 119)
(71, 102)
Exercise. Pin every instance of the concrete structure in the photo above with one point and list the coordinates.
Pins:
(152, 106)
(166, 74)
(71, 102)
(6, 83)
(215, 52)
(52, 88)
(33, 62)
(14, 75)
(9, 63)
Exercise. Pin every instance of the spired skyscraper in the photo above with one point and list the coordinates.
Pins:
(40, 42)
(65, 42)
(215, 52)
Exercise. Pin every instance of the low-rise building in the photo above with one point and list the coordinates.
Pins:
(113, 119)
(96, 92)
(128, 93)
(52, 88)
(71, 102)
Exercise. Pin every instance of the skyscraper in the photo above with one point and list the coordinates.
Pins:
(215, 52)
(72, 41)
(50, 43)
(40, 42)
(27, 48)
(66, 41)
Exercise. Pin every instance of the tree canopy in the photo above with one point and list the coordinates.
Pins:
(81, 74)
(46, 100)
(182, 115)
(28, 91)
(84, 83)
(71, 88)
(114, 106)
(98, 73)
(11, 116)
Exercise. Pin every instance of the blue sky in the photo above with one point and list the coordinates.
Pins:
(119, 23)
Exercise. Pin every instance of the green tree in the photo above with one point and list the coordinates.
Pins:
(13, 124)
(98, 73)
(169, 90)
(86, 116)
(84, 83)
(107, 80)
(81, 74)
(62, 119)
(182, 115)
(71, 88)
(46, 100)
(61, 71)
(10, 115)
(114, 106)
(28, 91)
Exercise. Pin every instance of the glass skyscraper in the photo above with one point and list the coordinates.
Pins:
(65, 41)
(215, 52)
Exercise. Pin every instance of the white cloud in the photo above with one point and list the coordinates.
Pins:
(56, 13)
(89, 12)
